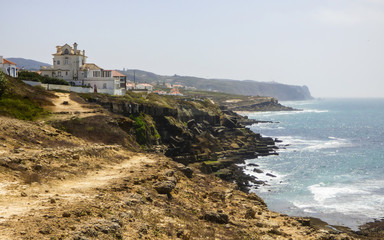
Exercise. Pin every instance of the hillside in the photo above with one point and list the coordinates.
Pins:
(28, 64)
(282, 92)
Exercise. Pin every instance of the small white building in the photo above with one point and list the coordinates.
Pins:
(147, 86)
(70, 64)
(8, 67)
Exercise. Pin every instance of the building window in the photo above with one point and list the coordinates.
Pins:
(58, 62)
(66, 51)
(59, 73)
(66, 73)
(106, 73)
(104, 85)
(96, 73)
(66, 61)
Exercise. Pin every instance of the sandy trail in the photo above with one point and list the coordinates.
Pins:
(67, 106)
(14, 205)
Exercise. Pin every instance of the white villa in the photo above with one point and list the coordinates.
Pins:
(70, 64)
(8, 67)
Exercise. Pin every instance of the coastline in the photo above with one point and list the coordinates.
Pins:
(97, 174)
(370, 229)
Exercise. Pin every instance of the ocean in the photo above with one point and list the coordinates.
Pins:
(330, 163)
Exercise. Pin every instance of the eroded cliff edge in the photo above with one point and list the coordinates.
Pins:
(192, 132)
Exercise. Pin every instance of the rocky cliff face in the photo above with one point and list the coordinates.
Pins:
(198, 133)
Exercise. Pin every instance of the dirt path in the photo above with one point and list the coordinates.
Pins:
(18, 200)
(68, 105)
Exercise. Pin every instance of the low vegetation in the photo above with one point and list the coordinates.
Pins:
(145, 130)
(33, 76)
(17, 106)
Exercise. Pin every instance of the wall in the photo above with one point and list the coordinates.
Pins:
(56, 87)
(119, 92)
(81, 89)
(32, 83)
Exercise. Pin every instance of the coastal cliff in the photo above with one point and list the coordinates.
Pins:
(193, 132)
(94, 168)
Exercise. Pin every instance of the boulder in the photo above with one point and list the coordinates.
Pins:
(217, 217)
(164, 187)
(229, 123)
(270, 175)
(188, 172)
(256, 170)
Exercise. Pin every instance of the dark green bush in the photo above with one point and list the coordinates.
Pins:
(3, 83)
(145, 130)
(20, 108)
(33, 76)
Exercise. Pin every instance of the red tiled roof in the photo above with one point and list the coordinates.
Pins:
(5, 61)
(117, 74)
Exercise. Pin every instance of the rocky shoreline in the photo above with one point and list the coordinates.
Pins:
(213, 140)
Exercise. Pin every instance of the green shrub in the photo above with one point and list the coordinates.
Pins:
(3, 83)
(145, 130)
(20, 108)
(140, 130)
(33, 76)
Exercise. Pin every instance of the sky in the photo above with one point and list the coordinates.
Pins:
(335, 47)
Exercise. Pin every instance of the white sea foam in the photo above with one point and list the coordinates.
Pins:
(295, 143)
(279, 113)
(363, 199)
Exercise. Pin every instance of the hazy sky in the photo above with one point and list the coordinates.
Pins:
(335, 47)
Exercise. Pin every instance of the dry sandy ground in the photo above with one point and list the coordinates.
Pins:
(18, 200)
(69, 105)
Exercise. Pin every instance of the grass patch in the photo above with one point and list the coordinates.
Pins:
(145, 130)
(20, 108)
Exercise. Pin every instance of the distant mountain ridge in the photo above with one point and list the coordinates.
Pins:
(28, 64)
(282, 92)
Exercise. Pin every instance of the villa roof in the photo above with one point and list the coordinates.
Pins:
(117, 74)
(5, 61)
(90, 66)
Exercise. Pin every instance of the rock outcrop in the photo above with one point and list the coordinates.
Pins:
(197, 133)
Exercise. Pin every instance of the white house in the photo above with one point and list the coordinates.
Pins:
(70, 64)
(146, 86)
(8, 67)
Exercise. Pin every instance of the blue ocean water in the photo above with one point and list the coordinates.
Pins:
(330, 163)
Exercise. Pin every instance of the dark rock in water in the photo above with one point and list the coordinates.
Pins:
(278, 140)
(270, 175)
(164, 187)
(258, 170)
(217, 217)
(259, 182)
(253, 165)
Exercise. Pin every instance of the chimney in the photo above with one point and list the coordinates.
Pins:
(75, 48)
(1, 60)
